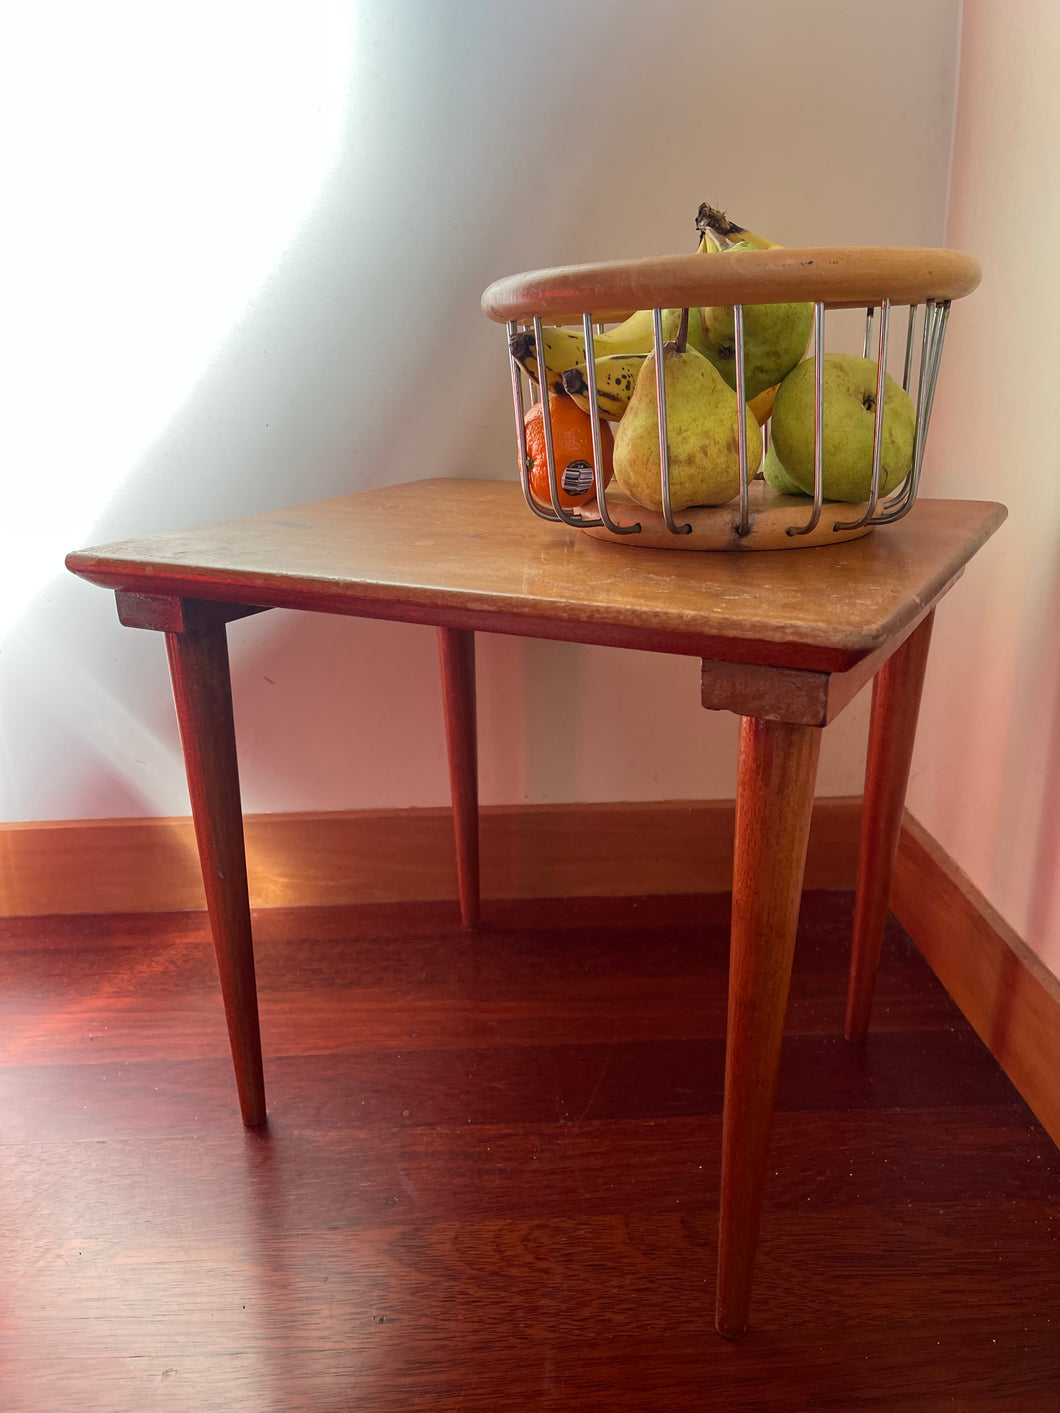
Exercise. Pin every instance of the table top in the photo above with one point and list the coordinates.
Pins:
(469, 553)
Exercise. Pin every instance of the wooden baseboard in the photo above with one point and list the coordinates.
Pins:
(1007, 994)
(151, 865)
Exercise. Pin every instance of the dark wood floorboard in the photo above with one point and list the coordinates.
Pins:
(489, 1179)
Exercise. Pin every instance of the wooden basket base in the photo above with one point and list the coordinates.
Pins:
(714, 527)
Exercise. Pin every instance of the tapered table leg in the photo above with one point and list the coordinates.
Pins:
(896, 696)
(202, 691)
(456, 650)
(774, 799)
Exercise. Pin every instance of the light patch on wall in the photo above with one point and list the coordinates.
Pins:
(158, 160)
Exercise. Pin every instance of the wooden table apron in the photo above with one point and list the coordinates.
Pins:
(786, 640)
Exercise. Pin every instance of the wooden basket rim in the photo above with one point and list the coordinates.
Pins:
(840, 277)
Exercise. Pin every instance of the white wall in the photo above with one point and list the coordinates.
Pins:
(254, 240)
(986, 777)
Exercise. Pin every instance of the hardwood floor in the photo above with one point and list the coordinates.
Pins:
(490, 1174)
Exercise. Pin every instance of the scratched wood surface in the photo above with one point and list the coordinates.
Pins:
(490, 1177)
(469, 554)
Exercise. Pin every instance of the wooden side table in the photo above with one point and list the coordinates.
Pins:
(786, 640)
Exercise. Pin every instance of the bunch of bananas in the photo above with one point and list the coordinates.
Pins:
(619, 353)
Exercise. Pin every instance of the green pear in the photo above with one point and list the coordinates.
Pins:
(671, 323)
(848, 425)
(702, 434)
(774, 335)
(774, 474)
(775, 338)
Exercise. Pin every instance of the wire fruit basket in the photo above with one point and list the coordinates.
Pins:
(878, 280)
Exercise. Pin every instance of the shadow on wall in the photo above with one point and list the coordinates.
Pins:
(344, 713)
(116, 750)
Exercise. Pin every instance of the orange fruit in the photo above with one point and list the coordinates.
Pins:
(572, 446)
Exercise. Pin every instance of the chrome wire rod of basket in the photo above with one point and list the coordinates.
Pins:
(818, 426)
(936, 317)
(598, 450)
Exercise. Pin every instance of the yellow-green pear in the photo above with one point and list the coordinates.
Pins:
(774, 337)
(848, 426)
(702, 423)
(697, 338)
(774, 474)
